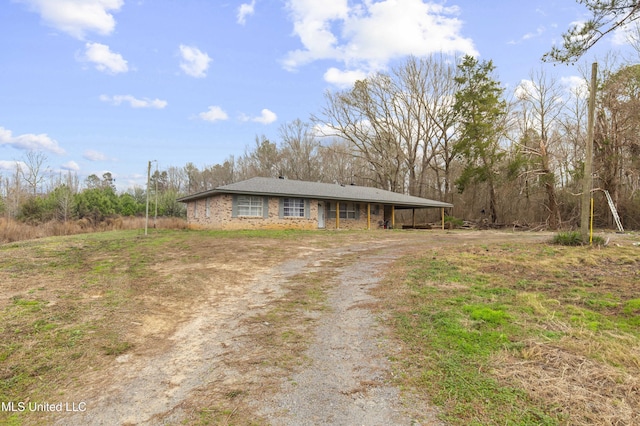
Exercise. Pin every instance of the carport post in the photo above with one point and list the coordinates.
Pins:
(393, 216)
(413, 217)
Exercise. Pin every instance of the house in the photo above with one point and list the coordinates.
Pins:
(283, 203)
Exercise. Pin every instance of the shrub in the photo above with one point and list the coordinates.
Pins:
(571, 238)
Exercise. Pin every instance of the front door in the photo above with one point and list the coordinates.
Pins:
(321, 215)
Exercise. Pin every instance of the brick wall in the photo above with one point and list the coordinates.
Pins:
(215, 213)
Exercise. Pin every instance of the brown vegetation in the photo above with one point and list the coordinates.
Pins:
(12, 230)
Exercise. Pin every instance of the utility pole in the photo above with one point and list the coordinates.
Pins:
(587, 182)
(155, 217)
(146, 220)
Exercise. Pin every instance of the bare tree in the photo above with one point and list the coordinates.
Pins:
(300, 151)
(34, 171)
(540, 100)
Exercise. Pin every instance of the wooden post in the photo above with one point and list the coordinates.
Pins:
(587, 180)
(442, 214)
(413, 217)
(393, 216)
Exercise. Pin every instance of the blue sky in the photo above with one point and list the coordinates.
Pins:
(107, 85)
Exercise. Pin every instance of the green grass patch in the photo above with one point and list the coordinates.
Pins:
(462, 310)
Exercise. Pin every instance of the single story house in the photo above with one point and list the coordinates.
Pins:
(283, 203)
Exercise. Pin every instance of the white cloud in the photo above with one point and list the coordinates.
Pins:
(29, 141)
(266, 117)
(92, 155)
(343, 79)
(369, 34)
(576, 85)
(626, 34)
(11, 165)
(194, 62)
(104, 59)
(134, 102)
(525, 89)
(70, 166)
(245, 9)
(214, 113)
(77, 17)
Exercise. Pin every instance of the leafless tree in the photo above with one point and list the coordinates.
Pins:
(540, 107)
(34, 170)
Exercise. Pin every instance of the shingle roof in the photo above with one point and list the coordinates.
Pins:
(321, 191)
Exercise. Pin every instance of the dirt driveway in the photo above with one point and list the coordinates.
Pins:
(289, 342)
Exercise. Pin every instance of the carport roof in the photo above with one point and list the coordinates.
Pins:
(321, 191)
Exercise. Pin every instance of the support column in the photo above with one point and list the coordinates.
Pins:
(413, 217)
(393, 216)
(442, 211)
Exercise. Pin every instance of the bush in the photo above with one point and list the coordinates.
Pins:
(571, 238)
(574, 238)
(453, 222)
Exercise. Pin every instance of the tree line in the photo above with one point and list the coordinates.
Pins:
(427, 127)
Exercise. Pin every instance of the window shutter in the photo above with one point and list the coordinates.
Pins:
(281, 207)
(307, 207)
(265, 207)
(234, 206)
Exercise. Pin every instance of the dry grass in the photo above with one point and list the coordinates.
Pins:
(521, 334)
(12, 230)
(70, 306)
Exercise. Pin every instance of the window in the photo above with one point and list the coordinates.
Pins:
(347, 210)
(249, 205)
(293, 207)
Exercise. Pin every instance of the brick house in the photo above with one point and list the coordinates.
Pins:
(269, 203)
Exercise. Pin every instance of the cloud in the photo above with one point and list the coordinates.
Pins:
(11, 165)
(29, 141)
(524, 89)
(134, 102)
(576, 85)
(626, 34)
(77, 17)
(368, 35)
(71, 166)
(92, 155)
(343, 79)
(245, 9)
(104, 59)
(194, 62)
(266, 117)
(537, 33)
(214, 113)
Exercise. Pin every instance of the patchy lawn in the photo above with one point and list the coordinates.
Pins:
(512, 333)
(494, 328)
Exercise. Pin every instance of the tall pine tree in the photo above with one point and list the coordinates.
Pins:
(481, 112)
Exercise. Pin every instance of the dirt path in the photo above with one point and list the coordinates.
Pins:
(344, 381)
(347, 380)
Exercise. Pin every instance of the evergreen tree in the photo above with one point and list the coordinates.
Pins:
(481, 112)
(606, 16)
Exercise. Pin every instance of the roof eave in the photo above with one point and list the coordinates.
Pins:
(404, 204)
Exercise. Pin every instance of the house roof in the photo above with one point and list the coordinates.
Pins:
(317, 190)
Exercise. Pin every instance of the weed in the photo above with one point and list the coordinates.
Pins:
(571, 238)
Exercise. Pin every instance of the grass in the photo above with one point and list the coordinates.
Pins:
(74, 304)
(494, 333)
(520, 334)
